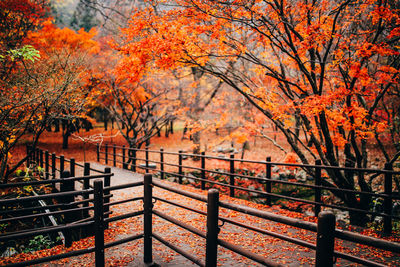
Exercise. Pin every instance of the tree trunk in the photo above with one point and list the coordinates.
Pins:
(66, 135)
(56, 126)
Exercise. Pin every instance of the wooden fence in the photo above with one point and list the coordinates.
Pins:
(136, 159)
(99, 195)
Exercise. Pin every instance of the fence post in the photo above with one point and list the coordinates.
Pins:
(115, 155)
(46, 164)
(67, 186)
(147, 159)
(180, 170)
(62, 161)
(268, 175)
(147, 218)
(162, 174)
(53, 165)
(232, 176)
(86, 182)
(132, 158)
(324, 256)
(203, 170)
(124, 165)
(41, 158)
(72, 167)
(98, 152)
(317, 191)
(387, 203)
(107, 183)
(212, 228)
(106, 153)
(98, 223)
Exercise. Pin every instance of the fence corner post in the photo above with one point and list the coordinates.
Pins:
(324, 253)
(212, 227)
(106, 153)
(98, 152)
(53, 165)
(162, 174)
(99, 223)
(388, 202)
(107, 192)
(46, 164)
(114, 155)
(147, 219)
(180, 169)
(203, 170)
(147, 159)
(268, 176)
(124, 165)
(72, 166)
(86, 185)
(232, 175)
(317, 191)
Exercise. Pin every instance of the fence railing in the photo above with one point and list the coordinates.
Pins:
(146, 159)
(325, 230)
(95, 218)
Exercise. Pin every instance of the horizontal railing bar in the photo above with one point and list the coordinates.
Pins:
(355, 259)
(39, 231)
(179, 250)
(179, 223)
(55, 181)
(43, 214)
(123, 186)
(247, 253)
(123, 241)
(123, 216)
(180, 205)
(122, 201)
(270, 216)
(270, 233)
(46, 207)
(367, 240)
(47, 196)
(92, 218)
(179, 191)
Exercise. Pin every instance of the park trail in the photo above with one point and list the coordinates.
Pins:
(131, 254)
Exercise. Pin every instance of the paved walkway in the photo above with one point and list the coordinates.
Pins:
(131, 254)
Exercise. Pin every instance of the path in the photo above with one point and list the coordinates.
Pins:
(130, 254)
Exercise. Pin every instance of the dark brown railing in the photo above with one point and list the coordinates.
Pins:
(325, 230)
(132, 158)
(67, 205)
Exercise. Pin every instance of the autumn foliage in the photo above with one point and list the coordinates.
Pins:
(42, 70)
(320, 71)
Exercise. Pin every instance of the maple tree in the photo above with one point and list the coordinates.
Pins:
(319, 70)
(42, 70)
(138, 103)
